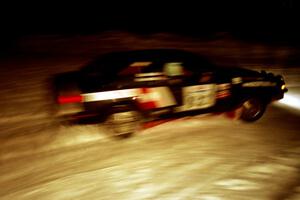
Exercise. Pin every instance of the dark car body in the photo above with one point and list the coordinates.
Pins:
(164, 82)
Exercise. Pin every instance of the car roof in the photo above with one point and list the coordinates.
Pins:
(121, 59)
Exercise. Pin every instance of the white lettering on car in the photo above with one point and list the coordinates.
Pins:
(259, 84)
(198, 97)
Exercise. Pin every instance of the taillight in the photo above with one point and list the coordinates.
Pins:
(70, 99)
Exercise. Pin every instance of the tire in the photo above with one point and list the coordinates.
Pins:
(253, 109)
(123, 122)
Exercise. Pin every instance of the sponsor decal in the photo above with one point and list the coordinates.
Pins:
(156, 97)
(152, 76)
(158, 78)
(149, 74)
(198, 97)
(224, 86)
(259, 84)
(109, 95)
(223, 94)
(223, 90)
(148, 98)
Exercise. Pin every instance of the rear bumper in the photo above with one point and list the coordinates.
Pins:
(68, 109)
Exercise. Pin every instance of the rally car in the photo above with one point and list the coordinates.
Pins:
(128, 88)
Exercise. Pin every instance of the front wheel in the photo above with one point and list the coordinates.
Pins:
(253, 109)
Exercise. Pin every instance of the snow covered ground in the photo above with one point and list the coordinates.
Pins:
(202, 157)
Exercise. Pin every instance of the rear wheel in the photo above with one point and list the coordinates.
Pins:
(253, 109)
(123, 122)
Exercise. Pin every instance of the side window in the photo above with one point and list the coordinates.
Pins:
(135, 68)
(173, 69)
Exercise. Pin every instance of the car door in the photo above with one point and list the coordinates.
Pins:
(193, 90)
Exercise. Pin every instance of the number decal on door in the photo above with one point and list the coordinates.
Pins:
(199, 96)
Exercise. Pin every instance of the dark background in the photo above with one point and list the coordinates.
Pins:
(266, 21)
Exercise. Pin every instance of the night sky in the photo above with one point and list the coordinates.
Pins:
(272, 21)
